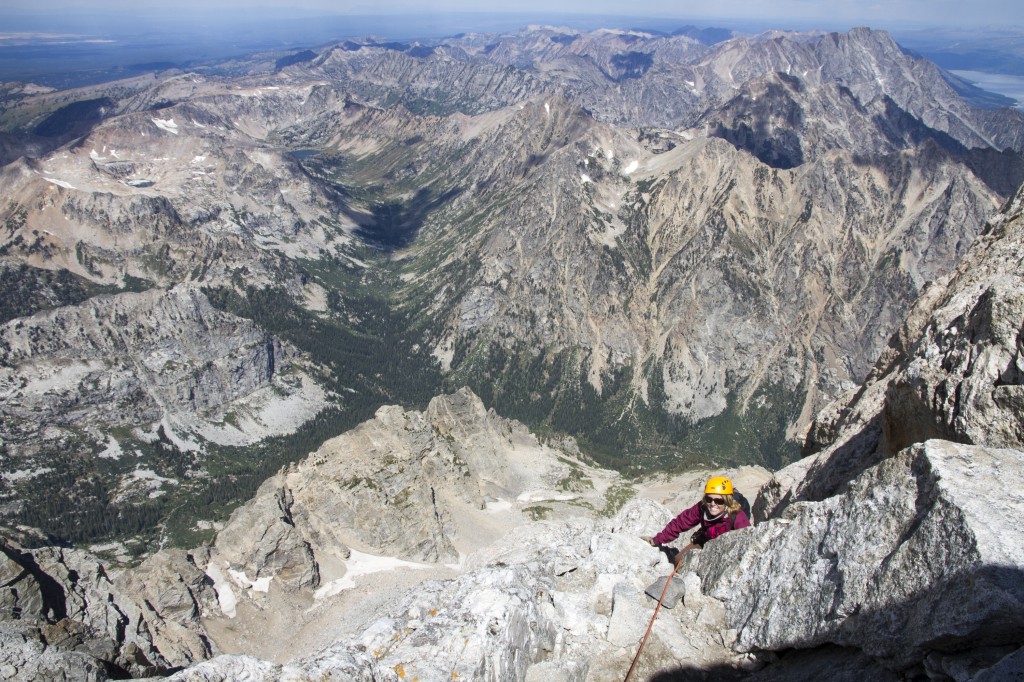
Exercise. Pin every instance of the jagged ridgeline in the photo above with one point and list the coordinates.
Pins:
(674, 252)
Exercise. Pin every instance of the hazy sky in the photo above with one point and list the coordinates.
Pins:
(877, 13)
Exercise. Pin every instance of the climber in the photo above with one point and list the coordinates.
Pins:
(718, 512)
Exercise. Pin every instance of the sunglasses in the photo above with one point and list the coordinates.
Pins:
(714, 500)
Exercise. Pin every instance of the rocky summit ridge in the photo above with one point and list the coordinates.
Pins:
(888, 553)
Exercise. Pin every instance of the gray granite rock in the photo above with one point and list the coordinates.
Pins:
(921, 554)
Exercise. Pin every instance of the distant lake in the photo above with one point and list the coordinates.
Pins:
(1011, 86)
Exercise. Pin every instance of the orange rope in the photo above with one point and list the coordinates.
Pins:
(651, 624)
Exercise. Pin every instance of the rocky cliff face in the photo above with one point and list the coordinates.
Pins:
(64, 617)
(408, 483)
(95, 375)
(915, 563)
(731, 284)
(130, 359)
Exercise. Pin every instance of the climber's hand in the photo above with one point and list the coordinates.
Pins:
(649, 540)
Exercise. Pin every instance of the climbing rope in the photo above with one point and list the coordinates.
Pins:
(651, 624)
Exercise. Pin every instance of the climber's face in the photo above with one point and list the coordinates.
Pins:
(714, 503)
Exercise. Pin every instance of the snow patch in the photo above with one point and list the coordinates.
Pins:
(150, 475)
(547, 108)
(203, 524)
(496, 506)
(631, 167)
(584, 178)
(242, 580)
(60, 183)
(113, 449)
(166, 124)
(225, 595)
(544, 496)
(22, 474)
(359, 564)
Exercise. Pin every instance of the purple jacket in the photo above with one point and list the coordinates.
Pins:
(709, 530)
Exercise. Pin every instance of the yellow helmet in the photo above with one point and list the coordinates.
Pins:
(718, 484)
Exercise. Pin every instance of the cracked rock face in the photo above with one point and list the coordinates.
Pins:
(129, 359)
(920, 556)
(64, 618)
(554, 600)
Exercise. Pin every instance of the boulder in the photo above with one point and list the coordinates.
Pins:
(21, 595)
(26, 657)
(172, 593)
(264, 542)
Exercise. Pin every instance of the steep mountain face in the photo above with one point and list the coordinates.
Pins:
(629, 258)
(109, 359)
(675, 252)
(638, 80)
(952, 372)
(870, 179)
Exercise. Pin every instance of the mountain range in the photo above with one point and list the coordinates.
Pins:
(378, 361)
(675, 252)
